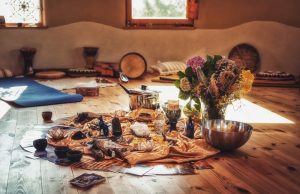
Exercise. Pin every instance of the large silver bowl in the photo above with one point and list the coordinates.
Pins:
(226, 135)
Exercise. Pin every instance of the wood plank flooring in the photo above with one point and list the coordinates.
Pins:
(268, 163)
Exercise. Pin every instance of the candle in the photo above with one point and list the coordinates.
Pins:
(173, 105)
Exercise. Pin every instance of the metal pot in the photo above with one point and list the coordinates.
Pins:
(142, 98)
(148, 100)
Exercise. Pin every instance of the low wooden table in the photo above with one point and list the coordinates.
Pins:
(268, 163)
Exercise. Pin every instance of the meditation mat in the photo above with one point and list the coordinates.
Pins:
(26, 93)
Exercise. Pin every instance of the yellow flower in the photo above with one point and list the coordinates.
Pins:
(247, 75)
(247, 81)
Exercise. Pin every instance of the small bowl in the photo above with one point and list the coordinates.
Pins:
(40, 144)
(47, 116)
(61, 152)
(226, 135)
(74, 155)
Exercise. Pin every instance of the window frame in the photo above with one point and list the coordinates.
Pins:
(191, 11)
(41, 24)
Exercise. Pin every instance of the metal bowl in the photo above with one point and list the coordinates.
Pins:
(226, 135)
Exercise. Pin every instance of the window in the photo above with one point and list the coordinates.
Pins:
(21, 11)
(161, 13)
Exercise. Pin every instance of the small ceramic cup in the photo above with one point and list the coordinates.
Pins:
(47, 116)
(40, 144)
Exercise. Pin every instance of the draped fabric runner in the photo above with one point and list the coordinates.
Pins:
(185, 150)
(174, 148)
(169, 160)
(169, 155)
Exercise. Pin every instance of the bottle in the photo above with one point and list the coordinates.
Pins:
(103, 126)
(190, 129)
(116, 127)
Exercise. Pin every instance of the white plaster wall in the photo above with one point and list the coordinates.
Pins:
(61, 47)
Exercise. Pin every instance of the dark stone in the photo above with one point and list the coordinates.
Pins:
(78, 136)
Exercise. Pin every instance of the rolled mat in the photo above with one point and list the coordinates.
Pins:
(26, 93)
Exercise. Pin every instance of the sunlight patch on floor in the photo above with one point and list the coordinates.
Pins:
(12, 93)
(4, 108)
(241, 110)
(9, 94)
(248, 112)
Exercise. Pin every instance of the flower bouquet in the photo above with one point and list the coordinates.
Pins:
(214, 82)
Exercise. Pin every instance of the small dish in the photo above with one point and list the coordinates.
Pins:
(40, 144)
(74, 155)
(61, 152)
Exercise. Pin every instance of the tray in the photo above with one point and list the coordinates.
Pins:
(87, 180)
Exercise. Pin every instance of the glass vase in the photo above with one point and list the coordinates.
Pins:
(214, 112)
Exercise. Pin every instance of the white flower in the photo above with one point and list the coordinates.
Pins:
(185, 85)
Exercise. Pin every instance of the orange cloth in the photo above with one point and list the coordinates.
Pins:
(185, 150)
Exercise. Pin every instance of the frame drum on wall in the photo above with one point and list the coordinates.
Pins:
(133, 65)
(245, 55)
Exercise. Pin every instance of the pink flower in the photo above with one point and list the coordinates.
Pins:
(195, 62)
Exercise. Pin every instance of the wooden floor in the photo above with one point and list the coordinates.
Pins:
(268, 163)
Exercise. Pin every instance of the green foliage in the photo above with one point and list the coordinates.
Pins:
(177, 84)
(189, 72)
(180, 74)
(191, 75)
(209, 66)
(217, 58)
(197, 107)
(184, 95)
(196, 100)
(189, 105)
